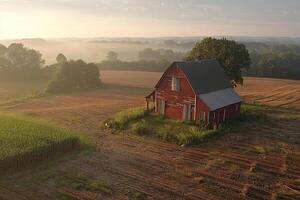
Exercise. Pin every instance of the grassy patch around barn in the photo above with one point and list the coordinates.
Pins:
(24, 140)
(143, 123)
(122, 119)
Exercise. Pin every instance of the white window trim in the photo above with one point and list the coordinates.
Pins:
(175, 84)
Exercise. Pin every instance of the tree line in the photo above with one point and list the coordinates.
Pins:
(19, 63)
(266, 59)
(280, 61)
(233, 57)
(148, 60)
(277, 61)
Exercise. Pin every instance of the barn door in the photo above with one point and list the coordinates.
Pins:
(186, 113)
(202, 116)
(162, 106)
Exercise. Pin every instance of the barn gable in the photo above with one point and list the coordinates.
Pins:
(174, 69)
(205, 75)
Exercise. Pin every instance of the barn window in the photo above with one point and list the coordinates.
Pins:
(175, 84)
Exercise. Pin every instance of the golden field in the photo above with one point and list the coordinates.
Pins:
(258, 161)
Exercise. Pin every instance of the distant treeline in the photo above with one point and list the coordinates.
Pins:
(267, 59)
(142, 65)
(149, 60)
(276, 61)
(161, 54)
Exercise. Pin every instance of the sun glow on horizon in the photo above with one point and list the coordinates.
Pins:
(120, 19)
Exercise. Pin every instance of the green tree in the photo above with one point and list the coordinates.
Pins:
(75, 76)
(233, 57)
(61, 58)
(112, 56)
(23, 58)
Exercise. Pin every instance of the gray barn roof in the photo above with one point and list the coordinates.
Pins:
(205, 75)
(221, 98)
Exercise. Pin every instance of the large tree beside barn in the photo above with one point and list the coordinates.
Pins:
(233, 57)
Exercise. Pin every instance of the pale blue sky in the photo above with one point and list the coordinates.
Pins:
(148, 18)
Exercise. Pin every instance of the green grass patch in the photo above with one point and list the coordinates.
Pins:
(254, 113)
(83, 183)
(24, 139)
(19, 100)
(140, 122)
(135, 195)
(10, 90)
(123, 118)
(170, 130)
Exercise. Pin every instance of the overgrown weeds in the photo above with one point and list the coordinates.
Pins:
(139, 122)
(122, 119)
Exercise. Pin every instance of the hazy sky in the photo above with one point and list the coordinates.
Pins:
(148, 18)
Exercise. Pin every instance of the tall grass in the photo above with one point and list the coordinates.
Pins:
(138, 122)
(123, 118)
(23, 140)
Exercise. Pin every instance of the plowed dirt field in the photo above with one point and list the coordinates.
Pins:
(259, 161)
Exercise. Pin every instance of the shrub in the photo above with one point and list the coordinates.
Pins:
(252, 112)
(75, 76)
(166, 133)
(141, 128)
(193, 136)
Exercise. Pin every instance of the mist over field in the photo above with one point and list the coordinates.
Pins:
(96, 49)
(149, 99)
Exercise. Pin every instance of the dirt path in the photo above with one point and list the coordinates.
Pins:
(258, 162)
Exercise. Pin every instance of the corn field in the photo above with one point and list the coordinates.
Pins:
(23, 141)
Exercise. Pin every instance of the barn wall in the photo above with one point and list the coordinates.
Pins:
(201, 107)
(175, 100)
(232, 111)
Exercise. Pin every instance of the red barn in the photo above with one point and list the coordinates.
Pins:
(196, 91)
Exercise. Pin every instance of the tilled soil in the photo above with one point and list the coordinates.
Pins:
(260, 161)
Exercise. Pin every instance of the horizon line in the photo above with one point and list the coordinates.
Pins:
(149, 37)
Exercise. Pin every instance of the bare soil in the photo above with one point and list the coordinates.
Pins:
(268, 91)
(259, 161)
